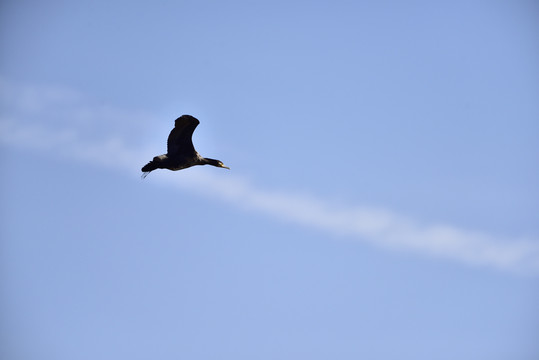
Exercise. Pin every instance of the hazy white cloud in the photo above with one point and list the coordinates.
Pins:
(376, 226)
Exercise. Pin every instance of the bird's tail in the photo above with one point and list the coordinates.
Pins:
(148, 168)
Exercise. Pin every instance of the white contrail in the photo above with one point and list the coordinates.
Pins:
(376, 226)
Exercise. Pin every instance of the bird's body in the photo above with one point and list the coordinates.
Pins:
(181, 153)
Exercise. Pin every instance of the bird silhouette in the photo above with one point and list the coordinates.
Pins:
(181, 153)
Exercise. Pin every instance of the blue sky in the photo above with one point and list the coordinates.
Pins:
(382, 200)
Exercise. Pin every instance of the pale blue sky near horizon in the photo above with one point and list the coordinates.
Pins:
(382, 200)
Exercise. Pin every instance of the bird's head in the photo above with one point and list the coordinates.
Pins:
(220, 164)
(216, 163)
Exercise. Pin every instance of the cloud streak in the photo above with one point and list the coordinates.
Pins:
(378, 227)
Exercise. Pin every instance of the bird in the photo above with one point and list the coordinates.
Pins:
(181, 153)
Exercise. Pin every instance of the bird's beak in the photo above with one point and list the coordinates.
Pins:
(226, 167)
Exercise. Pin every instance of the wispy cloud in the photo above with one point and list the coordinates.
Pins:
(19, 128)
(376, 226)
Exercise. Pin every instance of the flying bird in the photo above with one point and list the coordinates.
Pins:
(181, 153)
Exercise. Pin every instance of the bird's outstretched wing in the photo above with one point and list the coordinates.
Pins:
(180, 139)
